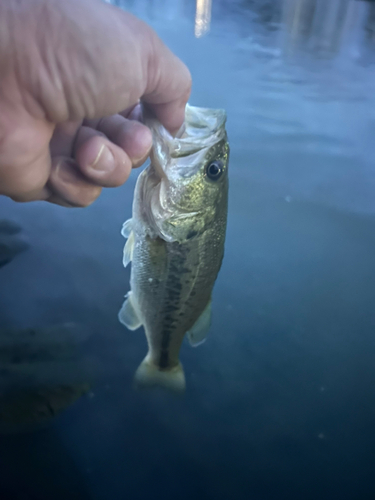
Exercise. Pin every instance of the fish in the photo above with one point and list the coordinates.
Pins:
(175, 242)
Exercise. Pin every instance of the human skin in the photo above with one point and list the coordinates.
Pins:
(71, 75)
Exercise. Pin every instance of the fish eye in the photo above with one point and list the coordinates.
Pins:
(214, 170)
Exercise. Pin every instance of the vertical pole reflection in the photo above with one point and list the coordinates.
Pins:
(202, 17)
(326, 27)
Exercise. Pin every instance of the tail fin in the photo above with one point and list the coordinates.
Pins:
(149, 375)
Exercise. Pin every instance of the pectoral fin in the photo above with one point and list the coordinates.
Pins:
(128, 233)
(128, 316)
(127, 228)
(128, 250)
(198, 333)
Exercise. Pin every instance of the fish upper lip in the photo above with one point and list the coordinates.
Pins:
(187, 142)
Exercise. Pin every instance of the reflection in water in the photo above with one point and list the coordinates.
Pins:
(171, 9)
(326, 27)
(202, 17)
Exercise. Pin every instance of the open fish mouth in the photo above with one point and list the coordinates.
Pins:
(203, 128)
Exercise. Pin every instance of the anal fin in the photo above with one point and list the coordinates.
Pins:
(198, 332)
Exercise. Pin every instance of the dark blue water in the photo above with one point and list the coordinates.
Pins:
(280, 400)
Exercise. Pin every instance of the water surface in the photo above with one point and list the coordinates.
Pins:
(280, 399)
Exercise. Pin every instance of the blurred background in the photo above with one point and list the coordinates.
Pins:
(280, 399)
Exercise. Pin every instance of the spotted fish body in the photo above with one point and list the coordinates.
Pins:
(176, 242)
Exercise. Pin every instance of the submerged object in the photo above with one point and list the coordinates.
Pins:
(10, 244)
(30, 409)
(175, 241)
(42, 372)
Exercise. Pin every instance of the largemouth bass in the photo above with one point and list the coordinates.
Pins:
(175, 241)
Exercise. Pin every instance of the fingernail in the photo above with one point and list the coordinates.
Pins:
(104, 161)
(137, 162)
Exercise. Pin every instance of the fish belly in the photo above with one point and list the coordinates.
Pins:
(172, 285)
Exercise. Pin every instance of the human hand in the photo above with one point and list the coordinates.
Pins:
(71, 75)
